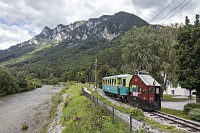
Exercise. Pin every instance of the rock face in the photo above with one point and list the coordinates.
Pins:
(105, 27)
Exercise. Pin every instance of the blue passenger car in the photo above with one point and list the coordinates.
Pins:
(117, 85)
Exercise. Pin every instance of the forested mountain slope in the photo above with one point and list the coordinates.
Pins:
(70, 50)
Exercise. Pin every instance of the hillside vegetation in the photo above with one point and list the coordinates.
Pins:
(12, 81)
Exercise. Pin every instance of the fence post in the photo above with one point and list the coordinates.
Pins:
(113, 114)
(130, 123)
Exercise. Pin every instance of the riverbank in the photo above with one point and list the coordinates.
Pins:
(28, 108)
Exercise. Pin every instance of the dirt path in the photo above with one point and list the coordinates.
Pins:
(55, 126)
(31, 108)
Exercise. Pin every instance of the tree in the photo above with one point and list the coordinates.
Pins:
(150, 49)
(188, 56)
(105, 70)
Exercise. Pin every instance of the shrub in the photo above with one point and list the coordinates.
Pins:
(24, 126)
(57, 98)
(190, 106)
(137, 113)
(195, 114)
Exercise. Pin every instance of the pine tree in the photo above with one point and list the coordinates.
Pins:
(188, 56)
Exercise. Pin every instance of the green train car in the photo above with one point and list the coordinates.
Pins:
(140, 90)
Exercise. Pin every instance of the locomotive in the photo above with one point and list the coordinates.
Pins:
(139, 90)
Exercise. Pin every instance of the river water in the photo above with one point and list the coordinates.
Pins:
(31, 108)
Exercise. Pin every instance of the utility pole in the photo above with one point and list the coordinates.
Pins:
(95, 84)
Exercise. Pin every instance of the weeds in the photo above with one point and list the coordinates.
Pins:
(81, 115)
(24, 126)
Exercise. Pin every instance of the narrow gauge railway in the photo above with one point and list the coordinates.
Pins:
(176, 121)
(168, 119)
(138, 90)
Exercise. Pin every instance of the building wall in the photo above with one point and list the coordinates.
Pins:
(177, 91)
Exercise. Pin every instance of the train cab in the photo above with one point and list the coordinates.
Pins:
(145, 92)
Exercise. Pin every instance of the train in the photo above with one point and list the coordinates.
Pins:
(139, 90)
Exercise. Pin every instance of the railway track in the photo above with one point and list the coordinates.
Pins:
(181, 123)
(168, 119)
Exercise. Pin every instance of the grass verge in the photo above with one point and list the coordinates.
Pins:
(56, 99)
(167, 97)
(175, 112)
(81, 115)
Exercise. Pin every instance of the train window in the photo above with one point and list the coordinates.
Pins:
(136, 89)
(151, 90)
(124, 82)
(114, 82)
(139, 88)
(157, 90)
(143, 91)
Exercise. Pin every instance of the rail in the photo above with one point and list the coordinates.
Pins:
(180, 122)
(134, 124)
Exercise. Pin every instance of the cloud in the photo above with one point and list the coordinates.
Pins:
(149, 9)
(26, 18)
(11, 35)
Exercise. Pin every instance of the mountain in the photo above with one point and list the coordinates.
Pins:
(106, 27)
(72, 46)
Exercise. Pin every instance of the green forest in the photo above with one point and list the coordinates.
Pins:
(169, 53)
(12, 81)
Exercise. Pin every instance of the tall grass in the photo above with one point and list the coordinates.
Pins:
(56, 99)
(81, 115)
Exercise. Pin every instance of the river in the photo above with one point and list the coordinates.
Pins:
(31, 108)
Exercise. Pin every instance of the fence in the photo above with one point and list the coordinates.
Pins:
(116, 114)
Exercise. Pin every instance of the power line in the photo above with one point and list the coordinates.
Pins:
(161, 11)
(178, 11)
(173, 10)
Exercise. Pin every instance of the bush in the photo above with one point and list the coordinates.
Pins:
(190, 106)
(137, 113)
(24, 126)
(195, 114)
(56, 98)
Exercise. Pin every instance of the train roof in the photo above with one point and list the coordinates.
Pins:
(118, 76)
(148, 80)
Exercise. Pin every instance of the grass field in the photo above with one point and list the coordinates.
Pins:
(167, 97)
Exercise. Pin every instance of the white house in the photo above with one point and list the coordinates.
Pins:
(177, 91)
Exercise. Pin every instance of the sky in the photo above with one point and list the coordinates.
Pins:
(20, 20)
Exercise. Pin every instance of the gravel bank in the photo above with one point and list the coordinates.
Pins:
(30, 108)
